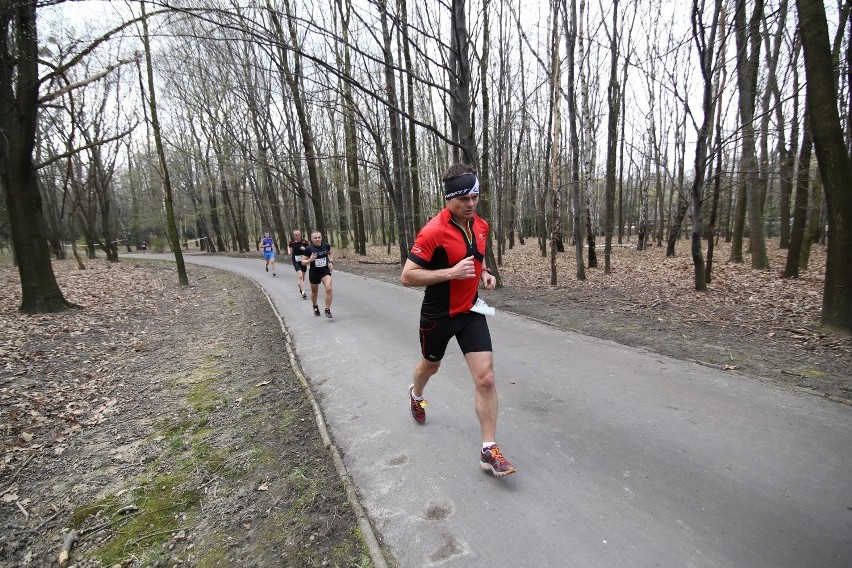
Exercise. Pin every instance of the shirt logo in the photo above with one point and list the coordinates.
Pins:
(416, 250)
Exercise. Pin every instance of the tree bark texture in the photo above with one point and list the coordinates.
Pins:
(748, 53)
(161, 154)
(800, 206)
(19, 87)
(569, 15)
(834, 163)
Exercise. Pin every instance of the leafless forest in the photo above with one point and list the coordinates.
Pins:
(671, 124)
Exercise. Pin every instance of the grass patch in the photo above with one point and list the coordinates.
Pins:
(203, 397)
(342, 555)
(164, 507)
(166, 501)
(812, 373)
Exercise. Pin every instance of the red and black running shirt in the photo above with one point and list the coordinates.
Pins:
(442, 243)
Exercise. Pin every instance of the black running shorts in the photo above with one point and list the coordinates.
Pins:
(470, 330)
(315, 276)
(300, 267)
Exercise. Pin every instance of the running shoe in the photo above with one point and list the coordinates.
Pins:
(328, 313)
(490, 459)
(316, 310)
(304, 296)
(418, 407)
(273, 274)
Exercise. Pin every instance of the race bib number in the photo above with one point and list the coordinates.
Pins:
(320, 262)
(298, 258)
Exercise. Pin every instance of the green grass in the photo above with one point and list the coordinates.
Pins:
(164, 507)
(165, 500)
(812, 373)
(137, 523)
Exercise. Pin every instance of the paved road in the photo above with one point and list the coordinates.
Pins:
(625, 457)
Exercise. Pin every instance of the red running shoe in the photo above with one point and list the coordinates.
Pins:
(491, 459)
(418, 407)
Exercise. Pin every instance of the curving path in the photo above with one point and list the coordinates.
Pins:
(624, 457)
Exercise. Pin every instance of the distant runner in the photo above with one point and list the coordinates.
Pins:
(268, 247)
(447, 258)
(297, 248)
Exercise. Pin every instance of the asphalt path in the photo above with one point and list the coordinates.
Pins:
(624, 457)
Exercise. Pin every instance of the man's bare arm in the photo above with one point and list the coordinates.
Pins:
(414, 275)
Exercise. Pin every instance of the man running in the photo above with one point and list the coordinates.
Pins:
(321, 263)
(268, 246)
(296, 248)
(447, 258)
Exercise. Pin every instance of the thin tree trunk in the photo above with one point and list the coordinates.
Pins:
(394, 184)
(174, 238)
(555, 121)
(569, 15)
(351, 139)
(748, 52)
(706, 57)
(800, 207)
(613, 97)
(292, 78)
(418, 218)
(484, 205)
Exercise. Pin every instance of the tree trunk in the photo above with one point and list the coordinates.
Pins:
(161, 154)
(569, 15)
(418, 219)
(19, 86)
(555, 135)
(485, 160)
(748, 52)
(394, 179)
(292, 79)
(460, 116)
(706, 58)
(613, 98)
(351, 139)
(800, 207)
(834, 163)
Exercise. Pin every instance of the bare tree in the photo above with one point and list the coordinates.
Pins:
(19, 105)
(293, 75)
(614, 100)
(705, 47)
(556, 122)
(161, 155)
(834, 162)
(569, 18)
(800, 207)
(395, 192)
(748, 54)
(351, 140)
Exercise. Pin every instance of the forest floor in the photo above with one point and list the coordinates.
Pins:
(162, 426)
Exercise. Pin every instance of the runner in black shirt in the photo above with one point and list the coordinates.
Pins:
(296, 248)
(319, 258)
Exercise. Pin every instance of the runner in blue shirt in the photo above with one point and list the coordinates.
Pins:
(268, 246)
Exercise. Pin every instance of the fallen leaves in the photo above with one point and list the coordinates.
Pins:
(57, 371)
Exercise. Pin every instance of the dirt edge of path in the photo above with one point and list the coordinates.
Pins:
(162, 425)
